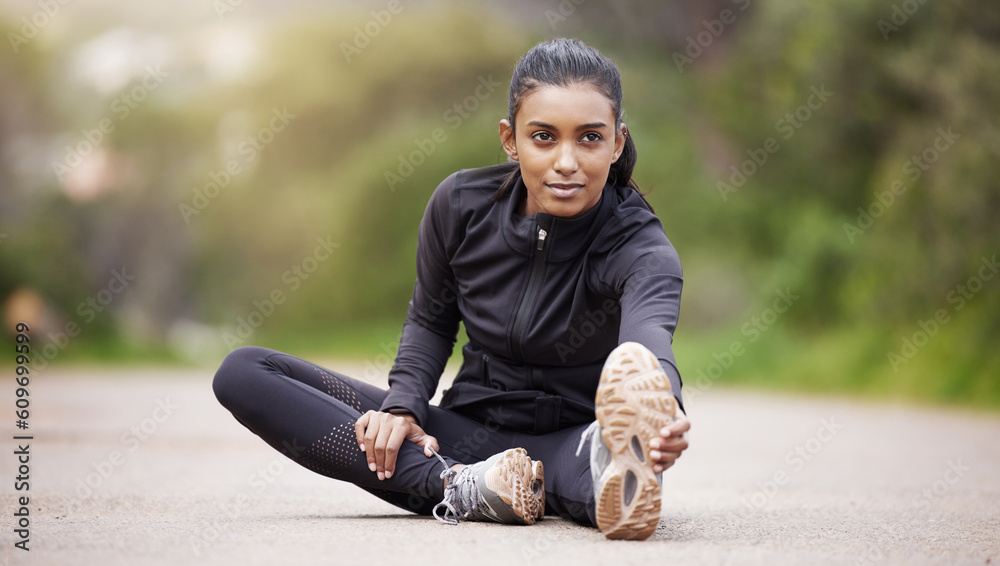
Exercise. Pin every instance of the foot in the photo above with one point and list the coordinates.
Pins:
(633, 403)
(506, 488)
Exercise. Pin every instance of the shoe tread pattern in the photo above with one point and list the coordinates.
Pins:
(514, 478)
(633, 399)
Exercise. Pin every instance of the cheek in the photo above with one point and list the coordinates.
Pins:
(532, 166)
(599, 168)
(601, 159)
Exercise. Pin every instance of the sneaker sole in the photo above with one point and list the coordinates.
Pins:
(520, 483)
(634, 401)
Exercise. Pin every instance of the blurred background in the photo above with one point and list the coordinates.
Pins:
(179, 179)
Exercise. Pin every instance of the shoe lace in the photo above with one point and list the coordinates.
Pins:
(586, 435)
(462, 497)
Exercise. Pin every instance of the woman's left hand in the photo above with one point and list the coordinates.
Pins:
(671, 443)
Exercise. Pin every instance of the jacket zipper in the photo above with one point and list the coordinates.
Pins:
(534, 284)
(486, 370)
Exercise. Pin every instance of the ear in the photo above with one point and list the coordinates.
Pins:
(507, 139)
(619, 141)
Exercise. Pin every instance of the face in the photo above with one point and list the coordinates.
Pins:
(565, 141)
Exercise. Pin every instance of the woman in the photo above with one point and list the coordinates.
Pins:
(569, 291)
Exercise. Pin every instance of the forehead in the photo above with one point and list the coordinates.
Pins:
(566, 106)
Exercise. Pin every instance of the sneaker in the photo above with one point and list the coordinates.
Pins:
(506, 488)
(634, 402)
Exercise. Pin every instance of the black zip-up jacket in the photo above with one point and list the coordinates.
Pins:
(544, 300)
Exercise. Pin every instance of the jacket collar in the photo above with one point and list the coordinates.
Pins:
(566, 238)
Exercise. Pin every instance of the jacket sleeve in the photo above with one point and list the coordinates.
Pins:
(648, 276)
(431, 325)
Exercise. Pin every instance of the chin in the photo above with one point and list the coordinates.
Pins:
(566, 209)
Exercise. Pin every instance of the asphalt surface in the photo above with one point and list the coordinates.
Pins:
(144, 467)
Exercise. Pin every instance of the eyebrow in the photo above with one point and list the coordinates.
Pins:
(590, 126)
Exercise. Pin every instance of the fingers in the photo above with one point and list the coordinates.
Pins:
(396, 439)
(381, 435)
(672, 435)
(430, 442)
(663, 459)
(676, 428)
(359, 429)
(670, 445)
(427, 442)
(381, 441)
(371, 431)
(417, 436)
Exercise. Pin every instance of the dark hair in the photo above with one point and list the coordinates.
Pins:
(565, 62)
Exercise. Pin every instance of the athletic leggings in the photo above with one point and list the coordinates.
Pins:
(308, 413)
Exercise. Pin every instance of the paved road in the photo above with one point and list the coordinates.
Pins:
(144, 467)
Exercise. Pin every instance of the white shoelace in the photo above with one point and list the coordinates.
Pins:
(462, 497)
(586, 435)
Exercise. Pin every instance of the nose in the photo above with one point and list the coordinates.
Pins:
(566, 163)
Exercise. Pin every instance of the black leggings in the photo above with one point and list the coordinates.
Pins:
(308, 413)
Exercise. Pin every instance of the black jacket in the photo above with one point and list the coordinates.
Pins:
(544, 301)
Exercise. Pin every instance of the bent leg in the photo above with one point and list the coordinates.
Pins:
(308, 413)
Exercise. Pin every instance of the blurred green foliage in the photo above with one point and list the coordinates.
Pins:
(880, 210)
(350, 117)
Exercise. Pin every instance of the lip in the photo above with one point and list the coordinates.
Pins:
(564, 190)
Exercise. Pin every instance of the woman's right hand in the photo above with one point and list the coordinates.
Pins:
(381, 434)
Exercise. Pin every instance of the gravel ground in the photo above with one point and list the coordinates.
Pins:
(144, 467)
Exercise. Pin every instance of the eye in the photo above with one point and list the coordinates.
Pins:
(542, 136)
(592, 137)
